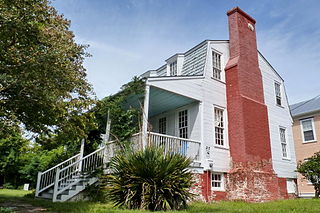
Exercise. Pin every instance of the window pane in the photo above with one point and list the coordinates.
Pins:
(278, 93)
(183, 124)
(216, 64)
(307, 125)
(162, 125)
(308, 135)
(219, 126)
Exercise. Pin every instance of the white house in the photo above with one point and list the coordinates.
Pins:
(187, 98)
(224, 105)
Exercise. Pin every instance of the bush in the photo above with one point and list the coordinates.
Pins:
(6, 210)
(8, 186)
(150, 180)
(310, 169)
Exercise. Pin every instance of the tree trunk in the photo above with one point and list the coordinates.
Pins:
(317, 191)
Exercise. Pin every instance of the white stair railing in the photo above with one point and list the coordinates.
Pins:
(77, 171)
(46, 179)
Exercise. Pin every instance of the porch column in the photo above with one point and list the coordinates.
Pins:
(145, 117)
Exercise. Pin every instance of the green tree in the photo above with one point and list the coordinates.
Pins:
(11, 149)
(42, 79)
(310, 169)
(125, 118)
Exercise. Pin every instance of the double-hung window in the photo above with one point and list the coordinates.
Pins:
(283, 142)
(163, 125)
(277, 88)
(217, 181)
(219, 127)
(216, 65)
(307, 130)
(173, 68)
(183, 124)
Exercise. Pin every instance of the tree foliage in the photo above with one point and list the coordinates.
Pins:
(125, 119)
(149, 179)
(42, 79)
(310, 169)
(20, 160)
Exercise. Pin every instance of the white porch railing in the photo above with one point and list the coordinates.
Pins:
(184, 146)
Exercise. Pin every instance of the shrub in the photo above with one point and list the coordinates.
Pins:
(6, 210)
(8, 186)
(150, 179)
(310, 169)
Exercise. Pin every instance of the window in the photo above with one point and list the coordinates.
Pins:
(219, 127)
(216, 64)
(163, 125)
(217, 181)
(283, 142)
(173, 68)
(308, 130)
(183, 124)
(277, 88)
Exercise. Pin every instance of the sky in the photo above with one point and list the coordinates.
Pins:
(129, 37)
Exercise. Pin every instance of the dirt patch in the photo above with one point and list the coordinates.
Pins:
(20, 207)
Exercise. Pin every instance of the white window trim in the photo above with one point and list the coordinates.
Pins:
(313, 129)
(166, 124)
(177, 120)
(281, 93)
(225, 139)
(222, 187)
(287, 144)
(222, 75)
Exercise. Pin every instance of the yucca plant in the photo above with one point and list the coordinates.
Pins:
(149, 179)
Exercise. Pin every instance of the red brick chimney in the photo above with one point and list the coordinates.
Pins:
(252, 177)
(249, 137)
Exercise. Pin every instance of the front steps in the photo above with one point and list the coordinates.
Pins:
(69, 193)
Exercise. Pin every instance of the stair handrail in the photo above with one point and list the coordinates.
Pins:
(78, 161)
(46, 179)
(77, 155)
(66, 180)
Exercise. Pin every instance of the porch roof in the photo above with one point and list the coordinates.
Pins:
(160, 101)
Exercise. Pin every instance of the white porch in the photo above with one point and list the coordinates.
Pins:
(170, 120)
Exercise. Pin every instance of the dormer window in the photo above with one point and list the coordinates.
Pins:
(216, 65)
(173, 68)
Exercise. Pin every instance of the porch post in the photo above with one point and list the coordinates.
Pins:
(145, 117)
(107, 135)
(38, 184)
(81, 155)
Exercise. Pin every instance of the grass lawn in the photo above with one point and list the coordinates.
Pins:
(284, 206)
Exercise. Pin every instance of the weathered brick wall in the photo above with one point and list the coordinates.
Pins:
(255, 182)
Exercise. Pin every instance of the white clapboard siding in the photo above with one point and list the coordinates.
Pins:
(278, 116)
(194, 125)
(210, 93)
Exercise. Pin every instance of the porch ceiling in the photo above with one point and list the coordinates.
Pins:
(162, 100)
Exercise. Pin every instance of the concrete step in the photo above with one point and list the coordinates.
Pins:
(46, 195)
(75, 189)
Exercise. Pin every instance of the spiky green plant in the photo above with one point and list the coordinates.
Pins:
(150, 179)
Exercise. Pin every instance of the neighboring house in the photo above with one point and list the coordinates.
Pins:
(224, 105)
(306, 133)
